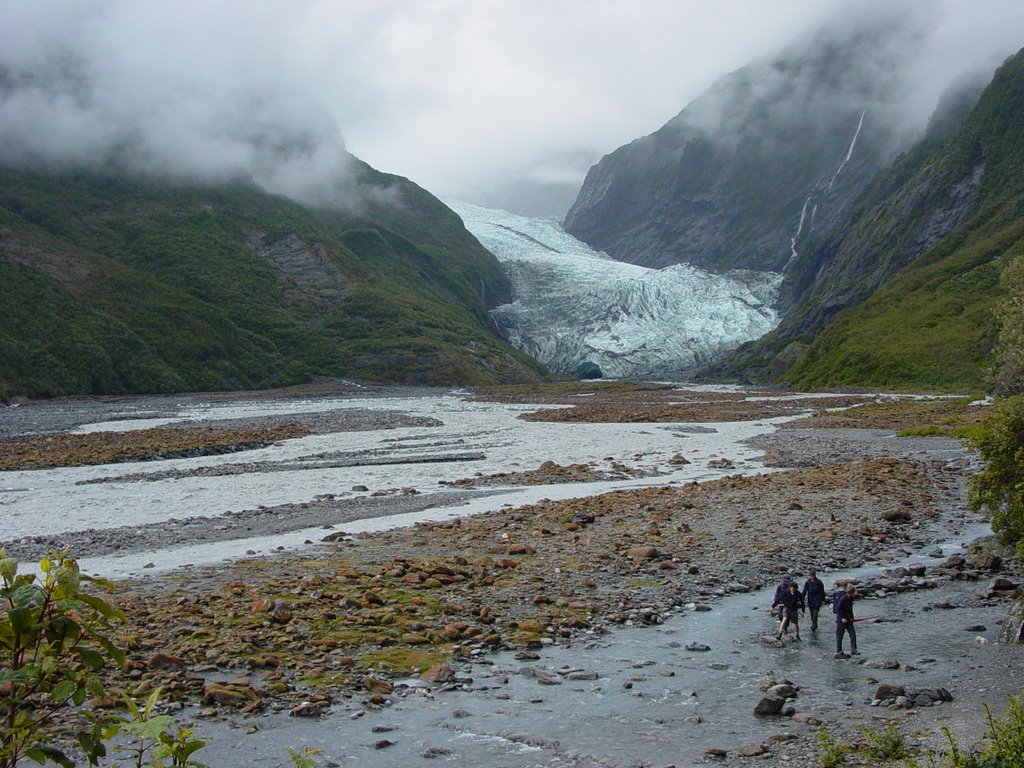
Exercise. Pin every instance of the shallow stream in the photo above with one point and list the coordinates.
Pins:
(655, 703)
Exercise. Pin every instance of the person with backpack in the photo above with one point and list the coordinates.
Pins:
(780, 591)
(814, 597)
(791, 604)
(843, 609)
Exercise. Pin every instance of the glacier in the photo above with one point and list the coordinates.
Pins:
(573, 306)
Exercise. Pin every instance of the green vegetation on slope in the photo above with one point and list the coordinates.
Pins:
(933, 323)
(118, 285)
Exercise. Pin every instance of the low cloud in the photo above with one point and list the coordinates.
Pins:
(450, 93)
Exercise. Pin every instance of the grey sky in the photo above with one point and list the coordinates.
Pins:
(446, 92)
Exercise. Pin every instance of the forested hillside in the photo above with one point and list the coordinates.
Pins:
(120, 284)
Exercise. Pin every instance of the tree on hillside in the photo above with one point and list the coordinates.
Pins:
(1008, 362)
(999, 488)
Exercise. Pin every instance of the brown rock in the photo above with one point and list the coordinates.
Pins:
(166, 661)
(753, 750)
(886, 691)
(308, 709)
(455, 630)
(377, 685)
(641, 554)
(228, 695)
(440, 673)
(262, 605)
(281, 614)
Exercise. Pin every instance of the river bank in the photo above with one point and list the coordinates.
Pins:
(337, 629)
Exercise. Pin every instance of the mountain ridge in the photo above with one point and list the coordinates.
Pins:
(124, 284)
(725, 184)
(903, 290)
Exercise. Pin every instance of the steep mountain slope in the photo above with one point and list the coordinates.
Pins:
(117, 284)
(748, 171)
(902, 291)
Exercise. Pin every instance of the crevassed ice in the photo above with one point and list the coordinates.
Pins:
(575, 305)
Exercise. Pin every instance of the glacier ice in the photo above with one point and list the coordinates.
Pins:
(573, 305)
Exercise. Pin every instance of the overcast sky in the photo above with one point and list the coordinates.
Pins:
(446, 92)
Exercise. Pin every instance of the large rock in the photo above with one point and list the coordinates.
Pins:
(986, 555)
(887, 691)
(769, 706)
(1012, 630)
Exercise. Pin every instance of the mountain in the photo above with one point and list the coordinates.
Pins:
(771, 153)
(891, 251)
(120, 283)
(579, 312)
(903, 291)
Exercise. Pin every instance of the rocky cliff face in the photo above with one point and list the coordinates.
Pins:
(769, 156)
(902, 289)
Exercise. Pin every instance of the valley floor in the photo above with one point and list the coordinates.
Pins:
(489, 638)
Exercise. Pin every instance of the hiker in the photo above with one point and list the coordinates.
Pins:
(843, 608)
(791, 603)
(814, 597)
(780, 591)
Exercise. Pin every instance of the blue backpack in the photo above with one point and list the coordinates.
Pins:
(835, 600)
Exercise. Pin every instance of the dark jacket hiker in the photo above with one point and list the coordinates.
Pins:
(791, 602)
(843, 608)
(814, 596)
(781, 590)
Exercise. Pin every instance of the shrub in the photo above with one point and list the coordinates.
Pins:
(999, 488)
(833, 752)
(886, 745)
(53, 644)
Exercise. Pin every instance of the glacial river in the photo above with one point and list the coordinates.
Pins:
(641, 698)
(55, 500)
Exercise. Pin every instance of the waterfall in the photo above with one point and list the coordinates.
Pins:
(849, 152)
(799, 228)
(814, 191)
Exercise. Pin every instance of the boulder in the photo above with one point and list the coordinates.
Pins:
(377, 685)
(752, 750)
(783, 690)
(228, 695)
(1000, 584)
(166, 661)
(440, 673)
(898, 515)
(640, 554)
(308, 709)
(769, 706)
(1012, 630)
(886, 691)
(986, 554)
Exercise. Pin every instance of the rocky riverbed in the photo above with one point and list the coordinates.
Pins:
(338, 628)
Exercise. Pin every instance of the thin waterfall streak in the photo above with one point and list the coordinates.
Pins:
(799, 229)
(849, 152)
